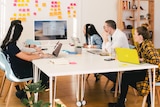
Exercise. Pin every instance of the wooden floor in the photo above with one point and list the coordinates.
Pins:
(94, 94)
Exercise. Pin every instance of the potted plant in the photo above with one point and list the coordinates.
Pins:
(32, 89)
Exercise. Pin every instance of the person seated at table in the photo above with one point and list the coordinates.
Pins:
(20, 61)
(148, 54)
(113, 38)
(93, 40)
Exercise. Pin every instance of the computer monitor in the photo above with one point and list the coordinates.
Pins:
(50, 29)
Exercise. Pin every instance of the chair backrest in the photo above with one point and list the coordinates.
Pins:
(4, 64)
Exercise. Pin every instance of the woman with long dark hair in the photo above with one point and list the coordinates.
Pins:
(20, 61)
(93, 38)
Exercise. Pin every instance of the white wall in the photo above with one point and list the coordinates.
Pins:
(97, 12)
(89, 11)
(157, 24)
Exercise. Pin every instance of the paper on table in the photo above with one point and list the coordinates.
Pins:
(59, 61)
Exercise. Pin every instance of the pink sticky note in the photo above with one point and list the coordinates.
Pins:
(72, 63)
(28, 10)
(24, 10)
(14, 4)
(34, 13)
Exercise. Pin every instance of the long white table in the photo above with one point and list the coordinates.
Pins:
(86, 63)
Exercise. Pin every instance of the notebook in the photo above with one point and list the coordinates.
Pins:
(127, 55)
(57, 49)
(95, 51)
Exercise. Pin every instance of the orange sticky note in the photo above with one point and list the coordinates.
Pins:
(43, 4)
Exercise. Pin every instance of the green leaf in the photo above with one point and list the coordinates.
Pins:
(34, 88)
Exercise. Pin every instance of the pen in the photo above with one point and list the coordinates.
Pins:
(44, 49)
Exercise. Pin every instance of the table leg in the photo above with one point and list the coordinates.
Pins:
(51, 97)
(153, 88)
(83, 82)
(78, 103)
(80, 90)
(150, 83)
(35, 75)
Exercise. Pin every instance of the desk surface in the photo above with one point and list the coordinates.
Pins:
(86, 63)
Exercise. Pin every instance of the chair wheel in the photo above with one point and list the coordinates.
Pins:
(83, 102)
(79, 104)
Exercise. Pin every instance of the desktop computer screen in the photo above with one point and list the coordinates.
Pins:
(50, 29)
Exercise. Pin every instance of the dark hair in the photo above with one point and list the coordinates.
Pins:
(111, 24)
(143, 31)
(16, 24)
(90, 30)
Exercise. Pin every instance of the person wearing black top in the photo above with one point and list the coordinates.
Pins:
(20, 61)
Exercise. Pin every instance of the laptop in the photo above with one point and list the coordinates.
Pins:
(57, 49)
(127, 55)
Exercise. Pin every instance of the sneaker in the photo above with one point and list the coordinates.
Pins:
(21, 94)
